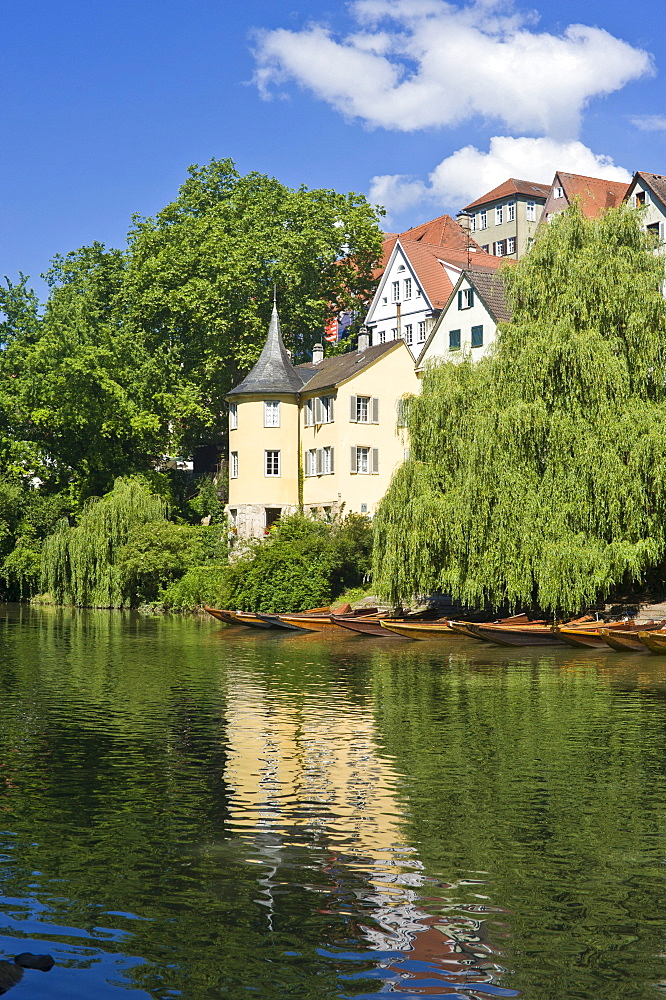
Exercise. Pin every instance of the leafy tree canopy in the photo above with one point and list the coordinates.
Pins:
(538, 475)
(135, 349)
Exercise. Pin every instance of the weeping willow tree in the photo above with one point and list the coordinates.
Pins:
(79, 564)
(538, 475)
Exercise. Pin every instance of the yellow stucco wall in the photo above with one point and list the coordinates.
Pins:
(251, 440)
(391, 377)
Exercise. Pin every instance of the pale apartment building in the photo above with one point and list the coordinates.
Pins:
(503, 221)
(321, 437)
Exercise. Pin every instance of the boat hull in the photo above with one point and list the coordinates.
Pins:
(517, 635)
(654, 641)
(418, 630)
(622, 641)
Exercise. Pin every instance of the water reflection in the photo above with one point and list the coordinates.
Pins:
(185, 810)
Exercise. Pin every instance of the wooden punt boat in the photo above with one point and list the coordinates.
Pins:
(463, 627)
(532, 634)
(418, 630)
(626, 640)
(654, 641)
(319, 622)
(590, 637)
(228, 617)
(521, 635)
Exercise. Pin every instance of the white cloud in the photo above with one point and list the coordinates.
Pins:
(415, 64)
(468, 173)
(650, 123)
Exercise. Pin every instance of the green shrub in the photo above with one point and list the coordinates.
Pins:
(304, 562)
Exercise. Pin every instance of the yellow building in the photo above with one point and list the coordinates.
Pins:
(322, 436)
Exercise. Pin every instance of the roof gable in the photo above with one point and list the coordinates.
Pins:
(655, 182)
(490, 289)
(429, 264)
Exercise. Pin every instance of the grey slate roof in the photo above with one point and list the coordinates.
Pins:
(274, 371)
(332, 371)
(490, 286)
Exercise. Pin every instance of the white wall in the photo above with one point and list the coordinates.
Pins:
(454, 318)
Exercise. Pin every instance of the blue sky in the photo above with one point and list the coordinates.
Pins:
(106, 104)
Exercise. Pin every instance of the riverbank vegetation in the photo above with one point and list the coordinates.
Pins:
(130, 359)
(538, 475)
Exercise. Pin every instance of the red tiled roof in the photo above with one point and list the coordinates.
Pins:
(426, 260)
(594, 194)
(442, 231)
(532, 189)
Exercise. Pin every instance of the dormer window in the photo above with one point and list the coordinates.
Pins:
(558, 192)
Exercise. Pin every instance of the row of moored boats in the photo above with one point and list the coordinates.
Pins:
(519, 630)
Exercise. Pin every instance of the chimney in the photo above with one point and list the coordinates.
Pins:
(363, 339)
(317, 354)
(463, 220)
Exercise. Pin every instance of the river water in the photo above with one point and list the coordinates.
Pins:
(188, 810)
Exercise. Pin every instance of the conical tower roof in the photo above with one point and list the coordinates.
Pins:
(273, 371)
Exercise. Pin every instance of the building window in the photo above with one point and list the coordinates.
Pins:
(483, 219)
(486, 247)
(511, 211)
(640, 199)
(382, 336)
(394, 333)
(309, 412)
(364, 461)
(472, 222)
(395, 291)
(558, 192)
(327, 461)
(233, 416)
(271, 413)
(653, 233)
(511, 245)
(364, 409)
(418, 292)
(477, 336)
(311, 462)
(327, 409)
(530, 211)
(233, 519)
(233, 465)
(407, 288)
(272, 463)
(454, 340)
(500, 248)
(319, 410)
(271, 514)
(465, 298)
(408, 334)
(421, 331)
(499, 215)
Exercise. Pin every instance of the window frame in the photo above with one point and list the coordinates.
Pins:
(277, 452)
(510, 211)
(452, 345)
(395, 291)
(233, 416)
(483, 219)
(407, 288)
(530, 211)
(421, 332)
(499, 215)
(272, 406)
(233, 465)
(409, 334)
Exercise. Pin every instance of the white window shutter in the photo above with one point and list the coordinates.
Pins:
(332, 469)
(352, 411)
(375, 461)
(331, 409)
(308, 413)
(318, 408)
(354, 458)
(320, 462)
(375, 410)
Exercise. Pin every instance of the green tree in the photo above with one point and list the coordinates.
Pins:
(200, 277)
(538, 475)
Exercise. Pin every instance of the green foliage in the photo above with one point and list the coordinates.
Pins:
(303, 563)
(206, 501)
(538, 475)
(80, 563)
